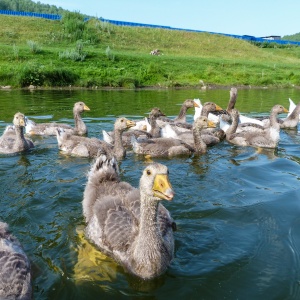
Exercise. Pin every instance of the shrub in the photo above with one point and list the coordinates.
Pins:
(33, 46)
(73, 25)
(76, 54)
(109, 54)
(31, 74)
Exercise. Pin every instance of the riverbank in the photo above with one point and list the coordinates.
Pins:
(42, 53)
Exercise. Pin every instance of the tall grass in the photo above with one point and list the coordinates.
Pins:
(78, 52)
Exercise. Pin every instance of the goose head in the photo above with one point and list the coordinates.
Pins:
(190, 103)
(19, 120)
(156, 112)
(155, 183)
(203, 123)
(80, 107)
(122, 124)
(279, 109)
(211, 106)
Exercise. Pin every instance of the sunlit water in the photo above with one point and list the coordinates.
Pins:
(237, 210)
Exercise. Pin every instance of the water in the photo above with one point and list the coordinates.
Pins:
(237, 209)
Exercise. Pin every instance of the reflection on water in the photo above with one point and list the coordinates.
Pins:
(237, 209)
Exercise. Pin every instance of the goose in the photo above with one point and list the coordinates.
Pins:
(13, 140)
(15, 269)
(189, 103)
(168, 131)
(50, 128)
(170, 147)
(226, 117)
(89, 147)
(188, 137)
(154, 130)
(292, 119)
(129, 224)
(266, 138)
(180, 120)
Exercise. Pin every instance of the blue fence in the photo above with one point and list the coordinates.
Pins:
(124, 23)
(30, 14)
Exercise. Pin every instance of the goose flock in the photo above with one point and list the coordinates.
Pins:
(130, 224)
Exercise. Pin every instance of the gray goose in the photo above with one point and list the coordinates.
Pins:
(80, 127)
(89, 147)
(15, 269)
(171, 130)
(180, 120)
(291, 121)
(170, 147)
(129, 224)
(188, 136)
(261, 138)
(13, 140)
(154, 130)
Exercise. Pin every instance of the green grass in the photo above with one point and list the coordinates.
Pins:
(115, 56)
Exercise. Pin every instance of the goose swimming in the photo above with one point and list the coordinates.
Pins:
(80, 128)
(153, 131)
(170, 147)
(291, 121)
(130, 224)
(263, 138)
(13, 140)
(89, 147)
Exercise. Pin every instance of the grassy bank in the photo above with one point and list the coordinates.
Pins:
(97, 54)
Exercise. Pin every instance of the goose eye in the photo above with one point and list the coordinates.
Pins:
(148, 172)
(122, 120)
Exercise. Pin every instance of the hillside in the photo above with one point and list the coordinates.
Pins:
(96, 54)
(293, 37)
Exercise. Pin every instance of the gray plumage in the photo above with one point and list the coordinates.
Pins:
(188, 136)
(13, 140)
(289, 122)
(225, 115)
(89, 147)
(15, 270)
(130, 224)
(170, 147)
(80, 127)
(137, 133)
(263, 138)
(189, 103)
(180, 120)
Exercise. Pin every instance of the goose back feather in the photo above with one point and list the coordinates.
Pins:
(170, 147)
(15, 269)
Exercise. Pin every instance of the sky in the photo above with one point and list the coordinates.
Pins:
(258, 18)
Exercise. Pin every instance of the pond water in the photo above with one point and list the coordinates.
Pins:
(237, 210)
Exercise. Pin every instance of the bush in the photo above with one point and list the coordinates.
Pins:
(76, 54)
(73, 25)
(34, 47)
(38, 75)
